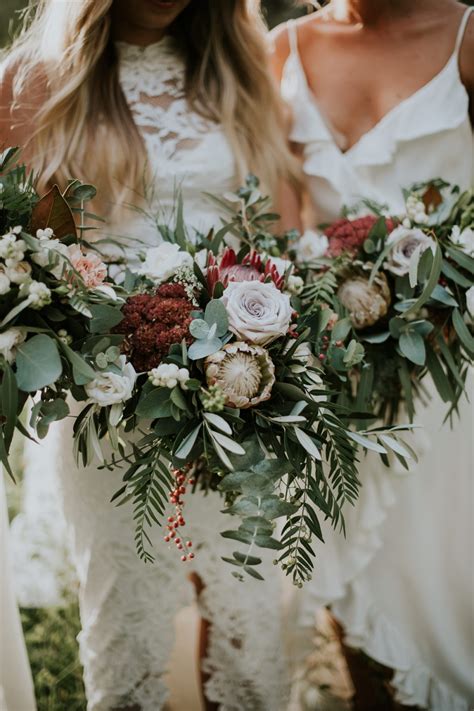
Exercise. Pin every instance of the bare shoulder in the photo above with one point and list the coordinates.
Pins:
(305, 29)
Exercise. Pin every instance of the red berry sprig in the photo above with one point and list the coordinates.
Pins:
(177, 521)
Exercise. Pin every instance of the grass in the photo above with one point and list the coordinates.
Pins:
(53, 651)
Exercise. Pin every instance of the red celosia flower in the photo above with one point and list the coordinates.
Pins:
(152, 323)
(349, 235)
(251, 268)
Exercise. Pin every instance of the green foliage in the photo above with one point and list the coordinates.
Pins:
(50, 636)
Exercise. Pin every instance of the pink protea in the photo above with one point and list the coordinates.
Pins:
(251, 268)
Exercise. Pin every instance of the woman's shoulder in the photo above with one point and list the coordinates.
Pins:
(302, 32)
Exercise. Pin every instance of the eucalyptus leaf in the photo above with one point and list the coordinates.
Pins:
(155, 404)
(37, 363)
(216, 313)
(199, 328)
(412, 346)
(203, 348)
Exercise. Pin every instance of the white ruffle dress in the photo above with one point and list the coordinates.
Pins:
(401, 583)
(127, 607)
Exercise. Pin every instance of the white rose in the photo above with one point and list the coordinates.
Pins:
(311, 246)
(295, 285)
(470, 301)
(464, 240)
(162, 262)
(4, 281)
(9, 340)
(19, 273)
(258, 312)
(405, 242)
(111, 388)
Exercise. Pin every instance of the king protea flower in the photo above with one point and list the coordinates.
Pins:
(367, 303)
(227, 269)
(245, 373)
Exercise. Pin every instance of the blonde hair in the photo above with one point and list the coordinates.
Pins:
(85, 128)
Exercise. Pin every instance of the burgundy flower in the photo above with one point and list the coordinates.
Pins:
(152, 323)
(349, 235)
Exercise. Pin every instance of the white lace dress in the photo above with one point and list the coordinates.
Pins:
(127, 607)
(402, 582)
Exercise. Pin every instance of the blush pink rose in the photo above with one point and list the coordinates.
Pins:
(89, 266)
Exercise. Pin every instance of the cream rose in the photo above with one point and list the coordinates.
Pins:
(258, 312)
(311, 246)
(464, 240)
(9, 340)
(20, 273)
(162, 262)
(111, 388)
(405, 242)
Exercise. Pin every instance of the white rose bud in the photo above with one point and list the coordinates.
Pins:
(295, 285)
(112, 388)
(162, 262)
(258, 312)
(9, 340)
(311, 246)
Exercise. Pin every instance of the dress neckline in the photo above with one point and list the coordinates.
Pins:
(452, 63)
(130, 51)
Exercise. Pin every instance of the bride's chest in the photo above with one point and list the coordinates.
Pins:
(183, 146)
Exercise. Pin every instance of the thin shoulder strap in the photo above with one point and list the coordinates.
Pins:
(462, 28)
(292, 36)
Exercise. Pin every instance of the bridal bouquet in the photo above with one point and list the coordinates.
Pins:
(403, 285)
(53, 295)
(220, 382)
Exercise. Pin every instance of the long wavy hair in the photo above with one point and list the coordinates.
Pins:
(85, 128)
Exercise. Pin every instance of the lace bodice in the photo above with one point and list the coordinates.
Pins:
(186, 152)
